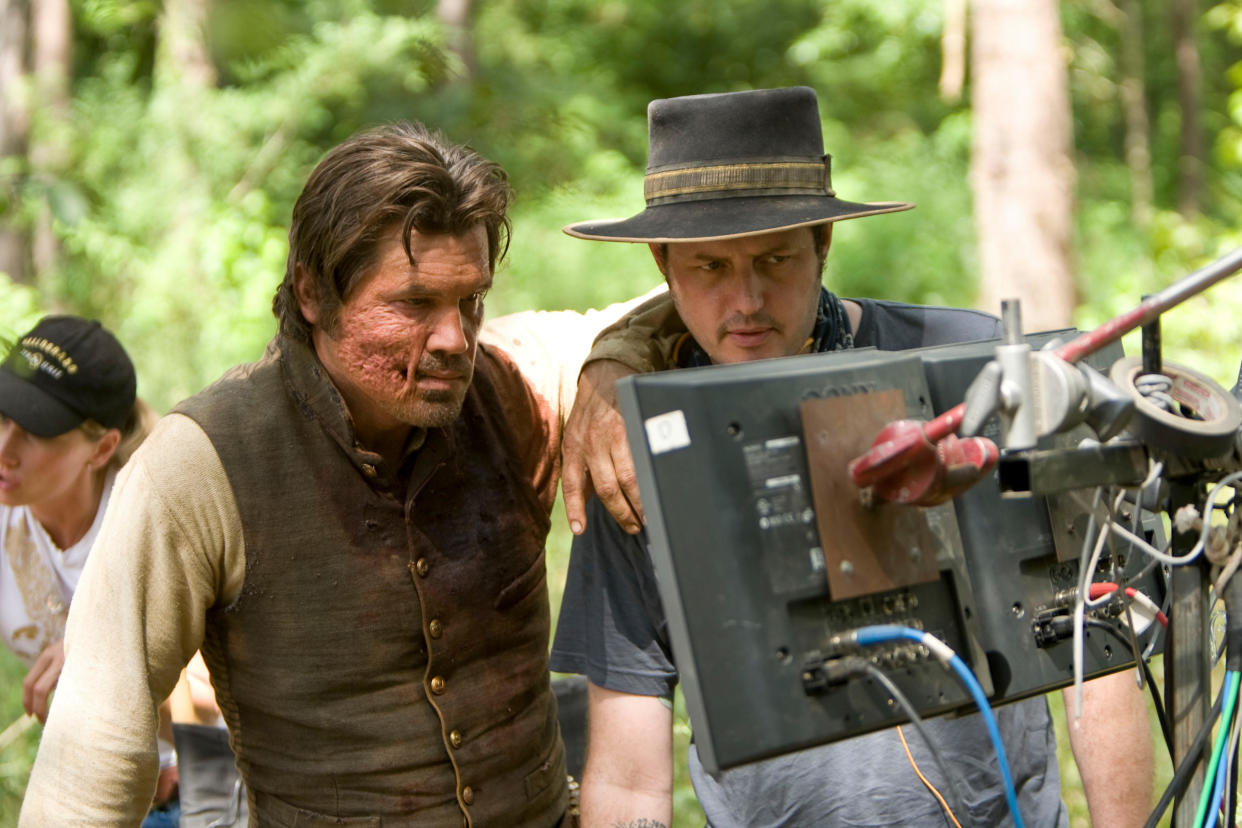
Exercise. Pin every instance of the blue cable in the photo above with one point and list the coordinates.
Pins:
(1218, 795)
(1230, 693)
(883, 633)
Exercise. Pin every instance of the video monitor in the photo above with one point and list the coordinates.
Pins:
(764, 550)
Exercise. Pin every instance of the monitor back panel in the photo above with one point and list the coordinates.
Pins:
(765, 552)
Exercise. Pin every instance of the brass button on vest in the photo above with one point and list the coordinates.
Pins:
(435, 628)
(422, 567)
(369, 471)
(437, 685)
(467, 795)
(455, 738)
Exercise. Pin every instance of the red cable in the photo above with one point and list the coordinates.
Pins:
(1101, 588)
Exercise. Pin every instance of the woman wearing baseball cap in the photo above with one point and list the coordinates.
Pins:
(69, 418)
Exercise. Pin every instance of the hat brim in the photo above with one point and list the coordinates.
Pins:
(728, 218)
(35, 410)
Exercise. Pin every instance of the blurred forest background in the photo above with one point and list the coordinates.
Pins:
(1077, 155)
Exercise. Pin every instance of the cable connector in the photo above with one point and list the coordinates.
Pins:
(820, 674)
(1050, 629)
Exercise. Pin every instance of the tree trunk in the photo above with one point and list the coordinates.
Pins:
(953, 51)
(183, 43)
(53, 51)
(1134, 104)
(1189, 81)
(14, 133)
(455, 16)
(1021, 170)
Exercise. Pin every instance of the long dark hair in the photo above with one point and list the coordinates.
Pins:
(400, 175)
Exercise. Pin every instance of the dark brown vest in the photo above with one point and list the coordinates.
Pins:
(387, 656)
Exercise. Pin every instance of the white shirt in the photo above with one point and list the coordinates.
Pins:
(38, 578)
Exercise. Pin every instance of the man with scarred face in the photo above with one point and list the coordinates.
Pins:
(351, 528)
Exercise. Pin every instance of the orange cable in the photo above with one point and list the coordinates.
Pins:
(924, 779)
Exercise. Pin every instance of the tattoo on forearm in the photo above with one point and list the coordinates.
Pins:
(641, 822)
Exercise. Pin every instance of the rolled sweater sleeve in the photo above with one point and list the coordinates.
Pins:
(643, 340)
(169, 549)
(549, 347)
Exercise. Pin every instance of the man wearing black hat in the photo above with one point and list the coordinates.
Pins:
(738, 219)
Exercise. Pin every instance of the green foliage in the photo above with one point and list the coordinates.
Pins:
(18, 756)
(173, 205)
(925, 255)
(1121, 264)
(633, 52)
(21, 311)
(545, 268)
(861, 52)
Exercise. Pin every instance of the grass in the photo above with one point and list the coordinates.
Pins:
(18, 756)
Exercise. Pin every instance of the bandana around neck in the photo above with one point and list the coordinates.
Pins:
(831, 333)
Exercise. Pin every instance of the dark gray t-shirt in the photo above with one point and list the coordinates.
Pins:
(612, 630)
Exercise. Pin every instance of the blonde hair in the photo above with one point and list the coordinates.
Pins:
(138, 425)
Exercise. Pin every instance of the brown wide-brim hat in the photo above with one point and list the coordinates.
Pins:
(730, 165)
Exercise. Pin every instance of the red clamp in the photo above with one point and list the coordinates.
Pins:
(905, 466)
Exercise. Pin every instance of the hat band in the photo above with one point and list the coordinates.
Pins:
(744, 179)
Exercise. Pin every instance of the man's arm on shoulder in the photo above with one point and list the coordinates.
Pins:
(1113, 749)
(628, 779)
(595, 455)
(549, 347)
(644, 338)
(170, 547)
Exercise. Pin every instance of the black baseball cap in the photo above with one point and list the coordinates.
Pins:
(65, 371)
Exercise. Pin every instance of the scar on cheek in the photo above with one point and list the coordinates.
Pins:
(380, 368)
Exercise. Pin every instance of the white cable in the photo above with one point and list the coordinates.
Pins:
(1227, 571)
(1142, 598)
(1085, 565)
(1107, 520)
(1209, 506)
(1086, 574)
(938, 648)
(1147, 549)
(1080, 606)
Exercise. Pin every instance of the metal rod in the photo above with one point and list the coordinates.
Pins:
(1011, 321)
(1151, 307)
(885, 457)
(1152, 359)
(1187, 662)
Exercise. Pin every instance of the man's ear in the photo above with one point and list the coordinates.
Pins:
(823, 251)
(307, 295)
(659, 252)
